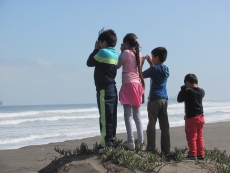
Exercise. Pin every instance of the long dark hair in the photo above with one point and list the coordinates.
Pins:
(131, 39)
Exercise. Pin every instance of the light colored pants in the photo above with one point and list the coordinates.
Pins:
(129, 112)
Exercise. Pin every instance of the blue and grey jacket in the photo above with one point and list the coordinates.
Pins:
(159, 75)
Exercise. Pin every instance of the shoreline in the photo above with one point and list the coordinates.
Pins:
(33, 158)
(123, 133)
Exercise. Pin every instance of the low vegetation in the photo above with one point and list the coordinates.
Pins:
(144, 160)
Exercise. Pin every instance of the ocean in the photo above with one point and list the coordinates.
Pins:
(42, 124)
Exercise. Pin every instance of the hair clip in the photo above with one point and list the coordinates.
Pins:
(136, 41)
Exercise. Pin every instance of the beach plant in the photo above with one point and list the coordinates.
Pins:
(82, 149)
(95, 147)
(117, 142)
(149, 160)
(178, 154)
(220, 159)
(222, 169)
(139, 147)
(130, 159)
(63, 152)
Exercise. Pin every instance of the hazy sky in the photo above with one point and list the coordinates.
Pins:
(44, 45)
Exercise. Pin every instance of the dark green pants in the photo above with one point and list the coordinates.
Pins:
(158, 110)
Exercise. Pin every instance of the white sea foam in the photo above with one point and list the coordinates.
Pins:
(216, 104)
(178, 105)
(19, 114)
(52, 124)
(217, 118)
(56, 118)
(28, 138)
(177, 123)
(61, 134)
(217, 109)
(44, 113)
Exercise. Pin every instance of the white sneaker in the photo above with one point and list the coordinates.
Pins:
(138, 145)
(130, 146)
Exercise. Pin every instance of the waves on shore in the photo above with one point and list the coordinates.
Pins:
(30, 125)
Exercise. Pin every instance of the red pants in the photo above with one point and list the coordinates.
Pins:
(194, 134)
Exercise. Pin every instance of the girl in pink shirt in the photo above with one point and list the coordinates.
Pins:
(132, 88)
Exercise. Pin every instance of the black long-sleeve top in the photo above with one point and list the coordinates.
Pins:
(193, 100)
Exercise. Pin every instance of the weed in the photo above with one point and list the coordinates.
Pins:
(148, 160)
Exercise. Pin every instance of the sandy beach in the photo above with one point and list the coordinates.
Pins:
(32, 159)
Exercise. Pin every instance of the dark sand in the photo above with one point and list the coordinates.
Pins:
(31, 159)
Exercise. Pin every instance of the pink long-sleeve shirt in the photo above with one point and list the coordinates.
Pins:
(129, 67)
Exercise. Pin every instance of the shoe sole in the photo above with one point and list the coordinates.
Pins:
(132, 149)
(191, 158)
(201, 158)
(125, 146)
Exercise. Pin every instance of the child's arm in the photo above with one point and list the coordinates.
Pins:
(147, 73)
(122, 58)
(182, 94)
(149, 60)
(142, 61)
(91, 62)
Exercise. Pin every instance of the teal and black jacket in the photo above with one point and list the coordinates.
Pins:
(105, 61)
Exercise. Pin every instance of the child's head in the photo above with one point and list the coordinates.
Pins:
(107, 38)
(130, 42)
(159, 53)
(190, 80)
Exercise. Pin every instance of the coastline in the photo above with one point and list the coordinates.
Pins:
(34, 158)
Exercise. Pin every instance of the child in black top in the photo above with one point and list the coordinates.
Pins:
(192, 96)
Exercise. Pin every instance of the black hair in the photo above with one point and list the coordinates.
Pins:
(191, 78)
(131, 39)
(109, 36)
(161, 52)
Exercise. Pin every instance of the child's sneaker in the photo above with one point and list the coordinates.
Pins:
(140, 145)
(201, 157)
(102, 149)
(190, 157)
(167, 156)
(150, 149)
(130, 146)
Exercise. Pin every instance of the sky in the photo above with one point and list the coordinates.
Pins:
(44, 45)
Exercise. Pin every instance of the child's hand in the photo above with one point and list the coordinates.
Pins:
(142, 61)
(149, 60)
(97, 46)
(185, 117)
(122, 48)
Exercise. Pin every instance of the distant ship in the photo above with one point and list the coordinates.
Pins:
(0, 103)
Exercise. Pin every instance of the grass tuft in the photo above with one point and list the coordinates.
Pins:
(148, 160)
(220, 159)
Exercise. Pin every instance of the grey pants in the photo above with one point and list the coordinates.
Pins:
(158, 109)
(129, 112)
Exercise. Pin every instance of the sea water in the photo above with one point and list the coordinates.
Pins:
(41, 124)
